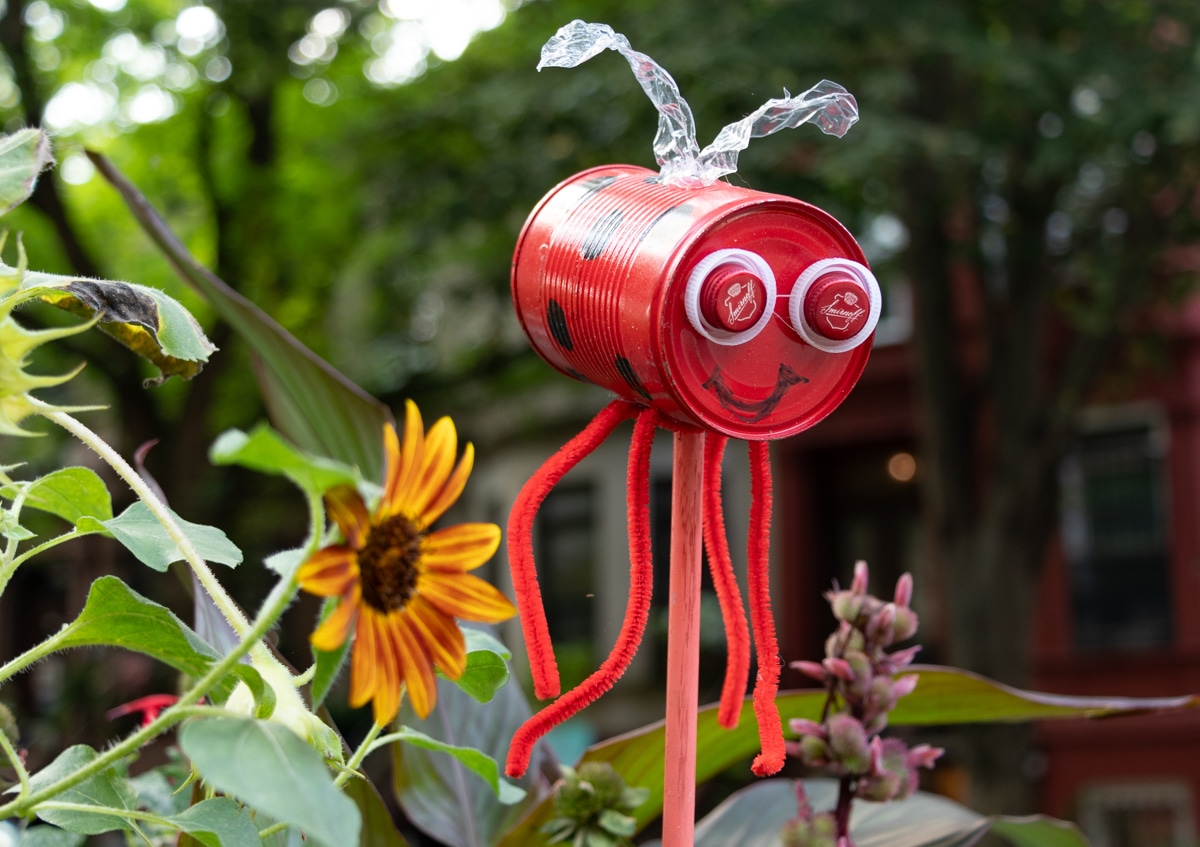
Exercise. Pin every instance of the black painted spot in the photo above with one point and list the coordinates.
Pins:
(600, 234)
(594, 186)
(625, 369)
(556, 319)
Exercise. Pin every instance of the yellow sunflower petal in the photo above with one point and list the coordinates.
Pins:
(459, 548)
(333, 632)
(441, 636)
(403, 460)
(453, 487)
(437, 460)
(346, 507)
(391, 673)
(465, 596)
(417, 669)
(329, 572)
(365, 659)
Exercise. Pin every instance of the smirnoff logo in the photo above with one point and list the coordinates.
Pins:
(843, 311)
(740, 304)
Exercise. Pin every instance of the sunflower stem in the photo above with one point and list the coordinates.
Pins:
(235, 617)
(359, 754)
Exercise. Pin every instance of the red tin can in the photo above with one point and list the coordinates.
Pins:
(745, 313)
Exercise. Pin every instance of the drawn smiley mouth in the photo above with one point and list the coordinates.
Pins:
(752, 411)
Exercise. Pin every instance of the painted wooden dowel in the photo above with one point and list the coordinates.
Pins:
(683, 642)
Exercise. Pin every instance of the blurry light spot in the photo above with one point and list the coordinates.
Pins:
(1144, 145)
(902, 467)
(108, 5)
(76, 169)
(150, 105)
(330, 23)
(122, 47)
(320, 92)
(198, 22)
(1050, 125)
(218, 69)
(78, 104)
(1085, 100)
(1116, 221)
(995, 208)
(1058, 233)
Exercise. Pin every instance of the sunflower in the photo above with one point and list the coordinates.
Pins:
(400, 585)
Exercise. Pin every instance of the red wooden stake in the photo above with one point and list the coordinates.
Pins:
(683, 642)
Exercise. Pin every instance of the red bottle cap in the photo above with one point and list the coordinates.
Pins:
(732, 298)
(836, 306)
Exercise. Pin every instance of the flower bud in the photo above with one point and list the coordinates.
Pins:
(895, 662)
(879, 627)
(847, 605)
(905, 625)
(803, 726)
(839, 668)
(861, 575)
(812, 670)
(904, 589)
(905, 685)
(814, 752)
(848, 742)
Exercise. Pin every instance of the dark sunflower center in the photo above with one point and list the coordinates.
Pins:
(388, 563)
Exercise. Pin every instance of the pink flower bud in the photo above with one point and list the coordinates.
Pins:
(923, 756)
(812, 670)
(904, 589)
(879, 628)
(814, 752)
(847, 605)
(861, 574)
(845, 841)
(905, 625)
(903, 686)
(803, 726)
(839, 668)
(848, 743)
(901, 658)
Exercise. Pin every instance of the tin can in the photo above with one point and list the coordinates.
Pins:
(741, 312)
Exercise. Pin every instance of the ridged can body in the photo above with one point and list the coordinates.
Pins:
(598, 282)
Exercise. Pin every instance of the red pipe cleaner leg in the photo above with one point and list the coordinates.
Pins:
(770, 728)
(520, 541)
(729, 596)
(641, 582)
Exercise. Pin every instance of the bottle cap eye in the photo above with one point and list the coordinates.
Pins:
(730, 296)
(835, 304)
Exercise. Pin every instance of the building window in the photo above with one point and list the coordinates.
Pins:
(1114, 526)
(1138, 815)
(566, 562)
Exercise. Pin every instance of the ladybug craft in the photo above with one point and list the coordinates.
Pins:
(705, 307)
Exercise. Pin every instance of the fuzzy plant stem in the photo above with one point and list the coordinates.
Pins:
(235, 617)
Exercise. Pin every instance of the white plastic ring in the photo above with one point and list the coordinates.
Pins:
(799, 295)
(746, 260)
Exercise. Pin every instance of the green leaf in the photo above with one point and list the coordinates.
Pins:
(50, 836)
(264, 450)
(117, 616)
(108, 792)
(147, 321)
(432, 788)
(479, 763)
(269, 767)
(71, 494)
(378, 828)
(310, 402)
(218, 823)
(952, 696)
(23, 155)
(147, 539)
(754, 817)
(487, 668)
(617, 823)
(943, 696)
